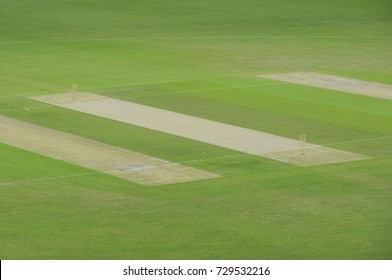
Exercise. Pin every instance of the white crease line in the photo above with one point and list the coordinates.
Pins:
(24, 108)
(147, 95)
(170, 163)
(210, 89)
(47, 178)
(213, 158)
(192, 37)
(114, 171)
(359, 140)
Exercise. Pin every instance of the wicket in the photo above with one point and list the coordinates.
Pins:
(74, 90)
(302, 143)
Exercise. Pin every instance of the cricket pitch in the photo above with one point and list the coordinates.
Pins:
(343, 84)
(119, 162)
(203, 130)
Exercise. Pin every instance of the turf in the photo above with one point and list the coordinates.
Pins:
(200, 58)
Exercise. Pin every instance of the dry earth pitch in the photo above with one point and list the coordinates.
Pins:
(211, 132)
(119, 162)
(343, 84)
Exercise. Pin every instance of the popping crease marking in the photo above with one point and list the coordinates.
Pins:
(358, 140)
(114, 171)
(179, 162)
(156, 94)
(210, 89)
(192, 37)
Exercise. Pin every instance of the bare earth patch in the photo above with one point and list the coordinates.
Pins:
(119, 162)
(372, 89)
(314, 156)
(211, 132)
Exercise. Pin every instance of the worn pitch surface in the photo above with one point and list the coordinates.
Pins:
(216, 133)
(372, 89)
(119, 162)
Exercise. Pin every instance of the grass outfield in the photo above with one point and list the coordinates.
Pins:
(200, 59)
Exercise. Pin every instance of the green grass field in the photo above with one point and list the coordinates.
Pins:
(200, 58)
